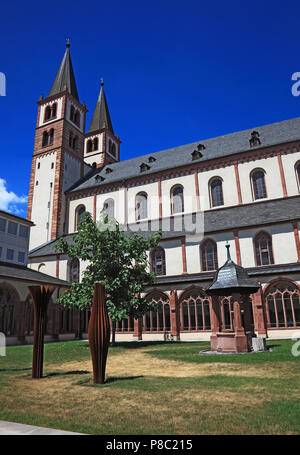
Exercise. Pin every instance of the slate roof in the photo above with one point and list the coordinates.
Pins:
(65, 77)
(207, 277)
(16, 217)
(222, 146)
(101, 114)
(239, 216)
(23, 273)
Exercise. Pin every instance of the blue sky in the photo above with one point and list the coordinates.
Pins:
(175, 72)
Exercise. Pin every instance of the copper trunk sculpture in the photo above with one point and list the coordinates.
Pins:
(99, 334)
(40, 296)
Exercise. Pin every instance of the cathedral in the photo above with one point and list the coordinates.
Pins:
(242, 188)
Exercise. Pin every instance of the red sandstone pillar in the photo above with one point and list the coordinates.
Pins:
(138, 329)
(174, 315)
(260, 322)
(215, 320)
(238, 325)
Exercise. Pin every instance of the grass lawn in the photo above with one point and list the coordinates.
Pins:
(154, 388)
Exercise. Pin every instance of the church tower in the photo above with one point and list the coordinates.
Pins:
(101, 145)
(58, 154)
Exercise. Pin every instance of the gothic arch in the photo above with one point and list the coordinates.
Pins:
(159, 320)
(216, 194)
(9, 302)
(195, 307)
(259, 190)
(262, 245)
(282, 303)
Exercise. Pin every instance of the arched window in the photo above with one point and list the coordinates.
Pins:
(209, 257)
(45, 139)
(109, 207)
(72, 113)
(47, 113)
(96, 144)
(73, 272)
(9, 300)
(283, 305)
(177, 203)
(79, 215)
(258, 184)
(263, 249)
(141, 211)
(75, 141)
(216, 192)
(51, 136)
(54, 110)
(158, 261)
(94, 164)
(160, 320)
(89, 146)
(76, 118)
(113, 149)
(42, 267)
(297, 167)
(194, 310)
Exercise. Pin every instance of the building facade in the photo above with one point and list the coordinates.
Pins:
(243, 188)
(16, 308)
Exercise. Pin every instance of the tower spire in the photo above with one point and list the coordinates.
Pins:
(101, 113)
(65, 76)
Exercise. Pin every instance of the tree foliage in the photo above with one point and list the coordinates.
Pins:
(118, 259)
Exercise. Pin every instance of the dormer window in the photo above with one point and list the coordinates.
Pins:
(200, 147)
(144, 167)
(151, 159)
(99, 178)
(108, 170)
(196, 155)
(254, 141)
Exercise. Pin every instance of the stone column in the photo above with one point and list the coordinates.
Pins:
(241, 340)
(138, 329)
(260, 320)
(174, 315)
(215, 320)
(238, 325)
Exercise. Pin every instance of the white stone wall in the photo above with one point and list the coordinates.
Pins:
(42, 202)
(288, 163)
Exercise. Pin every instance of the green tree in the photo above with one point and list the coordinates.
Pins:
(118, 259)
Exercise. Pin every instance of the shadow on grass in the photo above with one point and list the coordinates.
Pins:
(110, 380)
(8, 370)
(65, 373)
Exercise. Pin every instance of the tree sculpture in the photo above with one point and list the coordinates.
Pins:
(99, 334)
(40, 296)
